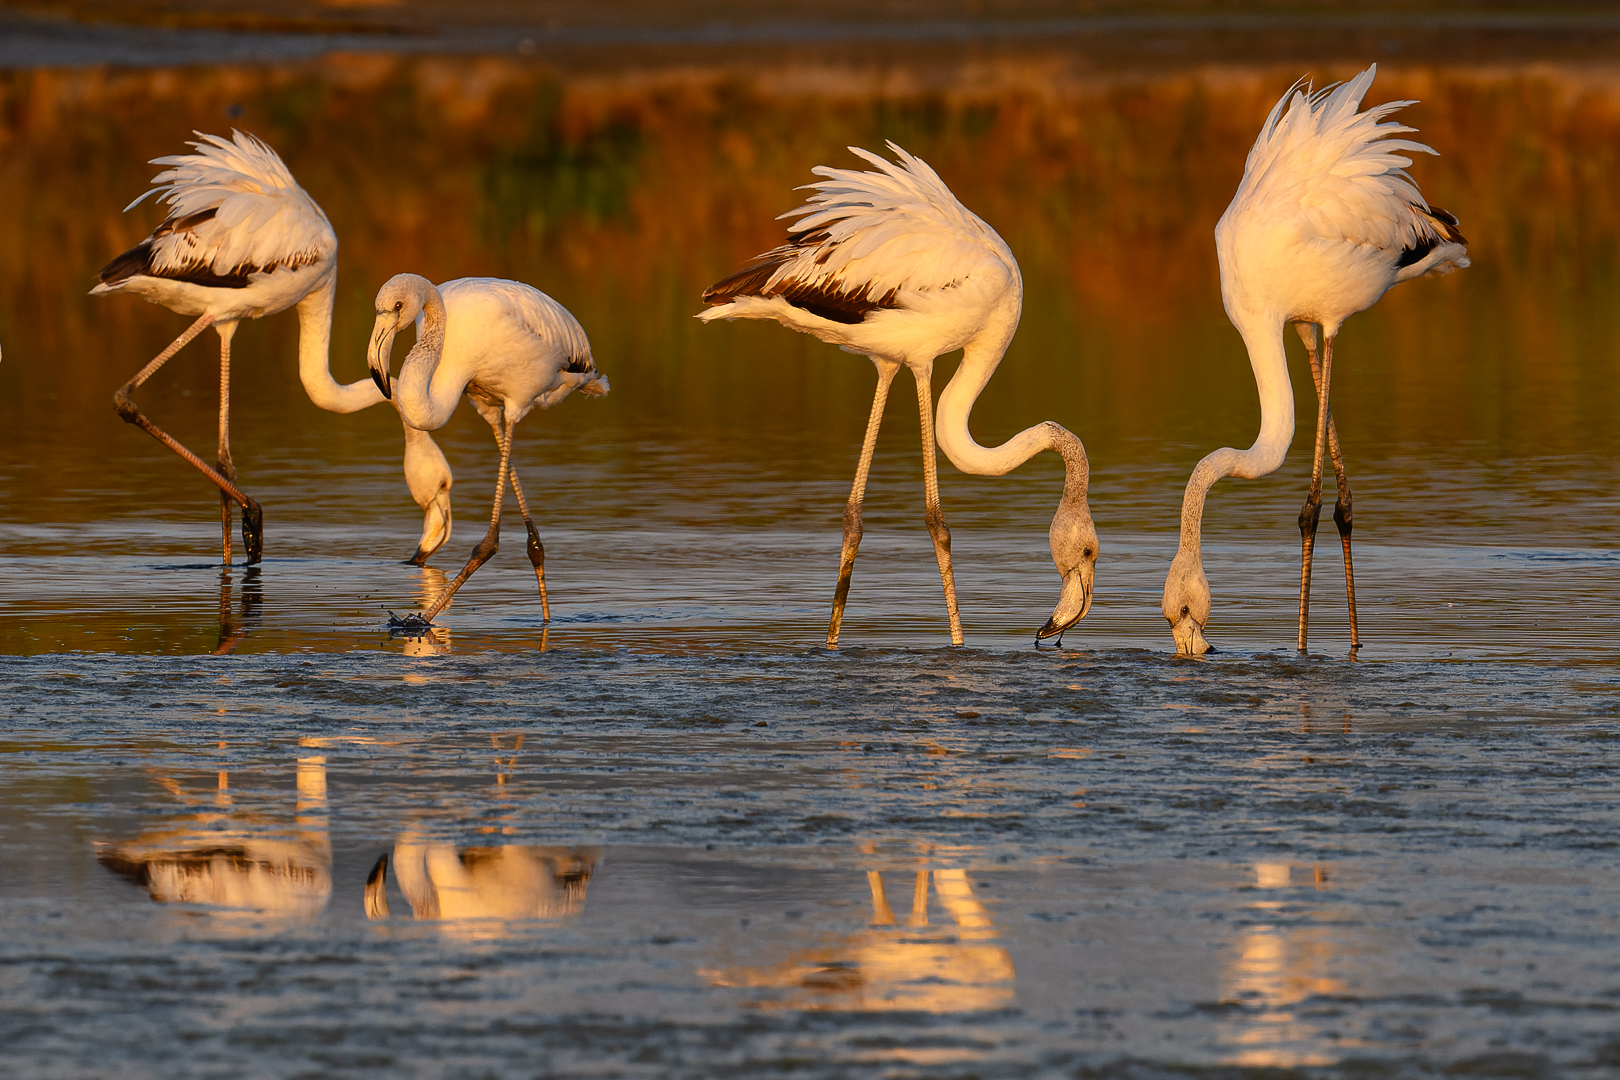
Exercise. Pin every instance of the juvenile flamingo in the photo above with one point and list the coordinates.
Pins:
(509, 348)
(242, 240)
(891, 265)
(1325, 220)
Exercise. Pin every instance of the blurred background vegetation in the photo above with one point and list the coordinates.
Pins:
(623, 174)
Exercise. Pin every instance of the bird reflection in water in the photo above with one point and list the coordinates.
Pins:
(233, 628)
(1280, 963)
(236, 861)
(466, 887)
(908, 964)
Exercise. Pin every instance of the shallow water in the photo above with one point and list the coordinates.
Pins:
(667, 834)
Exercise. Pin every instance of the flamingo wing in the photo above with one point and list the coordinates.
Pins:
(867, 241)
(547, 320)
(1344, 174)
(235, 212)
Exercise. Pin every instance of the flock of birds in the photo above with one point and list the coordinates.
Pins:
(886, 263)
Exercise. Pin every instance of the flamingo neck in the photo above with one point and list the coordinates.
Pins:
(980, 358)
(315, 356)
(425, 401)
(979, 361)
(1264, 338)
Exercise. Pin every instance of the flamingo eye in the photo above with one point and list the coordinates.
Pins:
(1086, 553)
(399, 305)
(1184, 609)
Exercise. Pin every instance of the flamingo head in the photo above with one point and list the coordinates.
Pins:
(436, 524)
(1186, 604)
(428, 475)
(1073, 538)
(399, 302)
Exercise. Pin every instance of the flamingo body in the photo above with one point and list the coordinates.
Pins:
(1324, 222)
(505, 344)
(242, 240)
(509, 348)
(884, 264)
(890, 264)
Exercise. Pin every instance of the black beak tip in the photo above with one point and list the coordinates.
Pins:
(382, 383)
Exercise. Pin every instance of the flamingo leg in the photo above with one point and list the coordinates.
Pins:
(1343, 515)
(537, 550)
(934, 515)
(1311, 512)
(882, 914)
(227, 468)
(492, 539)
(857, 495)
(252, 515)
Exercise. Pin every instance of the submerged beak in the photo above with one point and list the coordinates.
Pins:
(382, 343)
(1189, 635)
(1073, 602)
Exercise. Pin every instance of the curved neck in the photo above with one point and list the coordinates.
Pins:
(980, 358)
(315, 356)
(425, 402)
(1264, 338)
(979, 361)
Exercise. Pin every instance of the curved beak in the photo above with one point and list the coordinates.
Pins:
(1189, 635)
(377, 356)
(1073, 602)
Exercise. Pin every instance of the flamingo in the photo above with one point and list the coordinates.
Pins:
(506, 345)
(1325, 220)
(891, 265)
(242, 240)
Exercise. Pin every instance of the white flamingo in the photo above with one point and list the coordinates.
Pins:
(242, 240)
(891, 265)
(1325, 221)
(507, 346)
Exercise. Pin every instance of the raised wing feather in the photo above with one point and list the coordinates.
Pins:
(235, 211)
(869, 240)
(1343, 169)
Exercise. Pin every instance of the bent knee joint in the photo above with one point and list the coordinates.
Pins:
(126, 406)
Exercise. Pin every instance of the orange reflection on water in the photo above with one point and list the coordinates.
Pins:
(906, 964)
(1276, 968)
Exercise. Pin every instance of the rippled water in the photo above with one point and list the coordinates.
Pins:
(886, 862)
(667, 835)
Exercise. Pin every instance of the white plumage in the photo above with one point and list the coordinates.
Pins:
(1325, 221)
(891, 265)
(248, 215)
